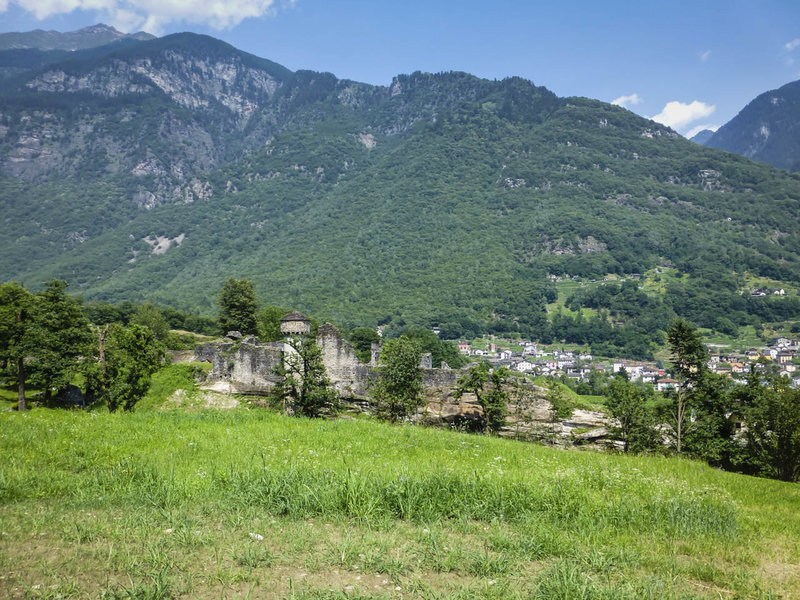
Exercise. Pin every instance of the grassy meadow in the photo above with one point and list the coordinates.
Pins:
(251, 504)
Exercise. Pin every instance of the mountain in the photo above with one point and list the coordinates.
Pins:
(158, 169)
(701, 137)
(766, 130)
(88, 37)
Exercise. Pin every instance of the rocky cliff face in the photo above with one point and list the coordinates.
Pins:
(160, 112)
(159, 115)
(188, 80)
(766, 130)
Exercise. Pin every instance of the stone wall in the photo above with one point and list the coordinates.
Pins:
(348, 375)
(249, 367)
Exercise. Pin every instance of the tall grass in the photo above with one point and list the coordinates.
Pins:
(348, 469)
(477, 507)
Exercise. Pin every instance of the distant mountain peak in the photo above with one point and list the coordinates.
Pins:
(766, 129)
(701, 137)
(92, 36)
(100, 27)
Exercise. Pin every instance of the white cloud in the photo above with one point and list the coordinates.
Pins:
(704, 56)
(153, 15)
(695, 130)
(789, 46)
(627, 101)
(678, 114)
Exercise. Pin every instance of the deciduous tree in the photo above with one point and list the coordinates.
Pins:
(303, 386)
(125, 359)
(488, 386)
(269, 323)
(151, 317)
(362, 339)
(628, 404)
(397, 393)
(772, 415)
(237, 303)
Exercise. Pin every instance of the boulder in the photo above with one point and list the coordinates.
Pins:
(70, 396)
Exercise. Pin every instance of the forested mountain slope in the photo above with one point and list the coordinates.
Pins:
(158, 169)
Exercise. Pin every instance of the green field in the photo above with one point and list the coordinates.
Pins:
(251, 504)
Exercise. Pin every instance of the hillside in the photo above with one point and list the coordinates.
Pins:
(157, 170)
(249, 503)
(766, 130)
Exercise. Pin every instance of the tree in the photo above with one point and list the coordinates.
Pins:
(699, 409)
(677, 413)
(440, 350)
(151, 317)
(521, 399)
(689, 353)
(125, 359)
(59, 336)
(269, 323)
(16, 305)
(772, 415)
(689, 356)
(560, 406)
(627, 403)
(397, 393)
(362, 339)
(237, 302)
(303, 386)
(487, 384)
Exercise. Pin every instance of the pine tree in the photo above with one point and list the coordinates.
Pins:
(16, 308)
(59, 336)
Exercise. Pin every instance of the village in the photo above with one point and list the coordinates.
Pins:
(781, 356)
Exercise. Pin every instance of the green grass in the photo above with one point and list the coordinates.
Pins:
(594, 402)
(578, 401)
(655, 281)
(9, 397)
(746, 338)
(165, 382)
(247, 503)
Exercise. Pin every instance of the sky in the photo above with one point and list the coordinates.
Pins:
(690, 64)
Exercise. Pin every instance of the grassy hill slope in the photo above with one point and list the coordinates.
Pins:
(252, 504)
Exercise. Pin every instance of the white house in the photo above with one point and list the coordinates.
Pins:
(524, 366)
(667, 384)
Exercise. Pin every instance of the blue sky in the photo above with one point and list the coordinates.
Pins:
(688, 63)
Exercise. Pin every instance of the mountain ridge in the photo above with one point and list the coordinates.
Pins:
(438, 198)
(766, 130)
(81, 39)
